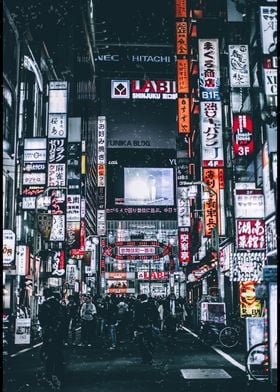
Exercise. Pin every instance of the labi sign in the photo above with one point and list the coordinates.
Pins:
(143, 89)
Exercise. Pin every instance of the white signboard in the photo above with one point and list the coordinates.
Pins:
(136, 250)
(249, 203)
(71, 275)
(9, 241)
(58, 101)
(22, 255)
(209, 69)
(73, 208)
(35, 155)
(58, 228)
(270, 81)
(35, 178)
(101, 129)
(211, 131)
(239, 65)
(268, 22)
(57, 125)
(22, 331)
(56, 174)
(101, 226)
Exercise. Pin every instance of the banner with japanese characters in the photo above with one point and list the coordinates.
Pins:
(243, 138)
(239, 65)
(209, 69)
(268, 29)
(247, 266)
(250, 234)
(184, 254)
(211, 133)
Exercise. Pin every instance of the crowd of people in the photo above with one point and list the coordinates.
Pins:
(110, 321)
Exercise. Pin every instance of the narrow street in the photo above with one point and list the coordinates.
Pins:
(97, 369)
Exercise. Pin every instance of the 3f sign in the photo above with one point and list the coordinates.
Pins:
(243, 151)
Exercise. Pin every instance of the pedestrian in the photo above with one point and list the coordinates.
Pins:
(122, 320)
(145, 317)
(72, 317)
(161, 311)
(172, 315)
(51, 318)
(88, 322)
(101, 310)
(111, 320)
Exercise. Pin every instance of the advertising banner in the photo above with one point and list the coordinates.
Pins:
(268, 191)
(73, 234)
(35, 178)
(250, 234)
(71, 275)
(181, 9)
(57, 127)
(183, 75)
(268, 27)
(56, 174)
(57, 228)
(246, 266)
(22, 260)
(73, 212)
(214, 312)
(184, 255)
(22, 331)
(9, 245)
(249, 305)
(209, 69)
(57, 99)
(249, 203)
(153, 275)
(271, 236)
(56, 151)
(211, 132)
(74, 152)
(270, 81)
(239, 65)
(255, 331)
(273, 332)
(214, 206)
(243, 142)
(181, 38)
(144, 89)
(184, 125)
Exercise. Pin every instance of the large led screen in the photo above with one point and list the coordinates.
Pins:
(148, 186)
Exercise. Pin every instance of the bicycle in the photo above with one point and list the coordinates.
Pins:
(256, 362)
(211, 333)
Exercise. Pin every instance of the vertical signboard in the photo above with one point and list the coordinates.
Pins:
(268, 28)
(214, 206)
(239, 70)
(243, 141)
(57, 157)
(183, 100)
(101, 171)
(209, 69)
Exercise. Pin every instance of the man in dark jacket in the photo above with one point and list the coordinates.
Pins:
(145, 317)
(52, 319)
(172, 313)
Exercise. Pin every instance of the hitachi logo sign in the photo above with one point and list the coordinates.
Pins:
(153, 86)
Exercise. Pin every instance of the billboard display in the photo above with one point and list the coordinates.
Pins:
(148, 186)
(136, 191)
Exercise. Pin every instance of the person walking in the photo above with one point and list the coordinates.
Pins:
(172, 315)
(51, 318)
(145, 316)
(122, 320)
(111, 320)
(88, 319)
(72, 316)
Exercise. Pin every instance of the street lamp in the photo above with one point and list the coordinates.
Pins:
(215, 240)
